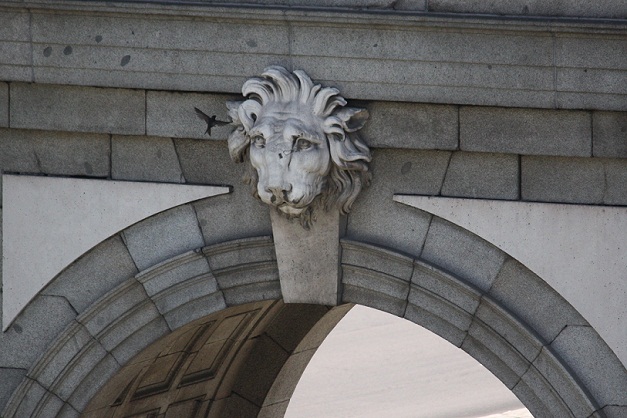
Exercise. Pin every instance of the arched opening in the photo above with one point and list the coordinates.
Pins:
(544, 352)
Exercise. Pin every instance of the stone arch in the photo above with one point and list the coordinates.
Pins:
(159, 275)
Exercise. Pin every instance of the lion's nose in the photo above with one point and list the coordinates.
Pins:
(279, 192)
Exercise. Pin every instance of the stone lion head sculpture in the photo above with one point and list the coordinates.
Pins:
(301, 143)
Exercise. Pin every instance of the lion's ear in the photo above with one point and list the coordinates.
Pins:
(238, 142)
(353, 119)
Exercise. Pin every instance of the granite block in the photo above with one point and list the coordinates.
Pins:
(4, 104)
(525, 131)
(11, 378)
(163, 236)
(97, 377)
(615, 181)
(575, 8)
(80, 109)
(377, 219)
(61, 153)
(564, 180)
(479, 175)
(172, 114)
(376, 259)
(539, 397)
(609, 134)
(33, 330)
(408, 125)
(94, 274)
(170, 272)
(145, 158)
(373, 299)
(531, 300)
(593, 362)
(462, 253)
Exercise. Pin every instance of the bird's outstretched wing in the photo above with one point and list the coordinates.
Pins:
(210, 120)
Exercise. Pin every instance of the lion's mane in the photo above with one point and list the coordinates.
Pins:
(350, 156)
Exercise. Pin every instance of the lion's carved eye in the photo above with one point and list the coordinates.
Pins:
(259, 141)
(303, 144)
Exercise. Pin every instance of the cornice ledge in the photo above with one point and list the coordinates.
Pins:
(325, 15)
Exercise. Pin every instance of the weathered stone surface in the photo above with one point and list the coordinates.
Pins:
(446, 286)
(82, 109)
(408, 125)
(438, 315)
(208, 162)
(145, 158)
(11, 378)
(594, 363)
(82, 364)
(32, 393)
(63, 153)
(196, 308)
(308, 260)
(4, 104)
(94, 274)
(506, 331)
(59, 355)
(173, 271)
(566, 180)
(113, 306)
(374, 289)
(479, 175)
(242, 251)
(614, 411)
(489, 349)
(33, 330)
(141, 337)
(525, 131)
(172, 114)
(250, 283)
(274, 410)
(287, 379)
(579, 8)
(376, 219)
(615, 182)
(566, 385)
(539, 397)
(185, 292)
(377, 259)
(609, 134)
(533, 301)
(96, 378)
(163, 236)
(462, 253)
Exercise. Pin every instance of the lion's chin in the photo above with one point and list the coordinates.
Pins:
(290, 210)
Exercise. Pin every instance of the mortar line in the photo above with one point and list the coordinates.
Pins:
(178, 160)
(448, 165)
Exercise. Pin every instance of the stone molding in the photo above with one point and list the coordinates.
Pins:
(557, 365)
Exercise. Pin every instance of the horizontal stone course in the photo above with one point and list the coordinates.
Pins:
(576, 8)
(4, 104)
(405, 125)
(145, 159)
(482, 175)
(79, 109)
(525, 131)
(53, 152)
(609, 134)
(574, 180)
(172, 114)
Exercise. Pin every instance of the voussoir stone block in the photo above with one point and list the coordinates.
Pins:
(376, 259)
(171, 272)
(437, 314)
(609, 134)
(377, 219)
(482, 175)
(566, 386)
(241, 251)
(145, 158)
(539, 397)
(172, 114)
(565, 180)
(163, 236)
(374, 289)
(73, 108)
(532, 300)
(62, 153)
(4, 104)
(94, 274)
(33, 330)
(462, 253)
(525, 131)
(594, 363)
(408, 125)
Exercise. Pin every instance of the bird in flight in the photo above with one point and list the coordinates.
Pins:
(211, 120)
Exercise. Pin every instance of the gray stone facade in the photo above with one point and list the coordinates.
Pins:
(515, 101)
